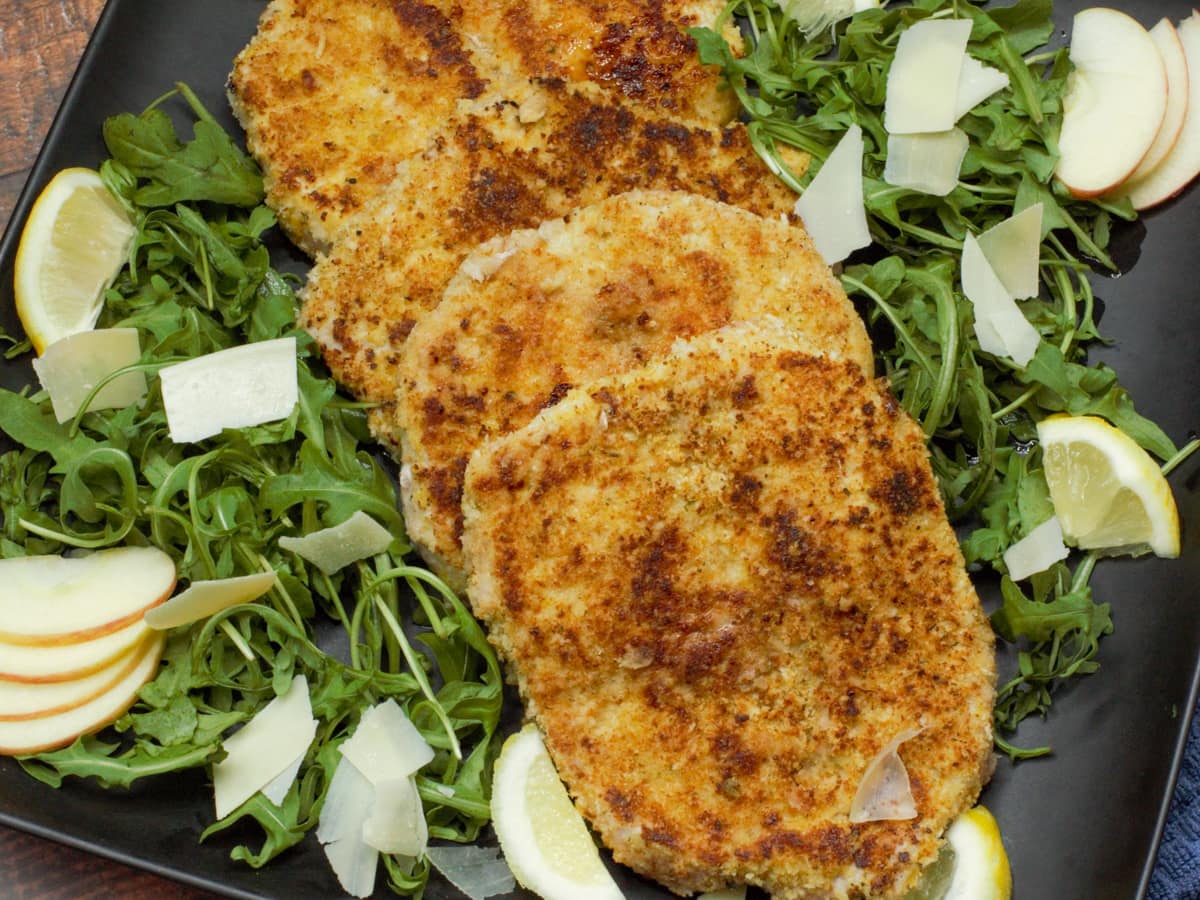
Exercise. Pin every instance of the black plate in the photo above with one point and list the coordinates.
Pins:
(1083, 824)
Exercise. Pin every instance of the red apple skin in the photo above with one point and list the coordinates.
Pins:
(128, 687)
(75, 670)
(117, 669)
(85, 634)
(1181, 166)
(1105, 106)
(53, 600)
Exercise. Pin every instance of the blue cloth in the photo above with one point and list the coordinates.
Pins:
(1177, 869)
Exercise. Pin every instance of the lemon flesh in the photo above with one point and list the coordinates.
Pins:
(972, 865)
(543, 836)
(1108, 493)
(73, 244)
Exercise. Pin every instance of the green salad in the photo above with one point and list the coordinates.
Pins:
(200, 278)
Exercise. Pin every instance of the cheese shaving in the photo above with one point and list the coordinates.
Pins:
(884, 794)
(832, 204)
(333, 548)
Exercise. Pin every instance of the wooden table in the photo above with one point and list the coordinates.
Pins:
(40, 44)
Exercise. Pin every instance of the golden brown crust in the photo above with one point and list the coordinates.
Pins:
(491, 174)
(724, 582)
(531, 314)
(334, 95)
(636, 52)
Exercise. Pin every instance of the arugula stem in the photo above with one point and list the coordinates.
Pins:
(898, 326)
(947, 316)
(418, 672)
(238, 641)
(1178, 459)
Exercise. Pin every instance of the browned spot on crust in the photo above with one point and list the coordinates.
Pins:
(745, 393)
(445, 43)
(904, 492)
(796, 550)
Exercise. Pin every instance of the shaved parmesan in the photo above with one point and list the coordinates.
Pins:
(1037, 551)
(265, 746)
(1000, 326)
(347, 805)
(396, 823)
(332, 548)
(234, 388)
(72, 367)
(204, 598)
(832, 205)
(814, 16)
(386, 744)
(922, 85)
(884, 794)
(976, 82)
(479, 872)
(1013, 249)
(928, 163)
(277, 790)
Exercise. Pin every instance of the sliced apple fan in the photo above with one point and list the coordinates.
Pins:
(53, 599)
(1115, 102)
(1181, 165)
(23, 736)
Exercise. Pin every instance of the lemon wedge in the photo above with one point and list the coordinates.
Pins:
(1108, 493)
(972, 864)
(73, 245)
(543, 836)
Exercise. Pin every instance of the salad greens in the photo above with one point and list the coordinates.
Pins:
(801, 92)
(200, 279)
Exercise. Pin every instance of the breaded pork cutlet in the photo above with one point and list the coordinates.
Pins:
(335, 94)
(724, 582)
(635, 51)
(491, 174)
(533, 313)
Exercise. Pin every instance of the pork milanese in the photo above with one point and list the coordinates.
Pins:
(724, 582)
(490, 174)
(535, 312)
(334, 95)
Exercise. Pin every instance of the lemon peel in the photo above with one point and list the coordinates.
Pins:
(73, 245)
(543, 836)
(1108, 493)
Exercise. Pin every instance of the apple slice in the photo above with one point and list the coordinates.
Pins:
(65, 599)
(1166, 38)
(1182, 164)
(31, 700)
(60, 729)
(1115, 103)
(64, 662)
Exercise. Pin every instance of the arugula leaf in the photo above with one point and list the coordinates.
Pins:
(209, 167)
(199, 280)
